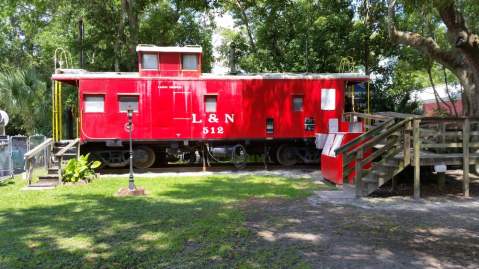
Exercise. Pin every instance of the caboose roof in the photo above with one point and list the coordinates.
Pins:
(153, 48)
(76, 74)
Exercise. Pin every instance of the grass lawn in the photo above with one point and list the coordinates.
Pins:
(183, 222)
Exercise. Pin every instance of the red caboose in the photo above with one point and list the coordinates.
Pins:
(181, 113)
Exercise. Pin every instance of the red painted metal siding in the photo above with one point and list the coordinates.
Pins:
(172, 109)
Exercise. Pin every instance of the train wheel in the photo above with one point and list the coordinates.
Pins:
(309, 155)
(143, 157)
(286, 155)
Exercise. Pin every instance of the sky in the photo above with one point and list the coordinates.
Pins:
(224, 20)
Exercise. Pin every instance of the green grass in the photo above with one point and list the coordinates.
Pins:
(183, 222)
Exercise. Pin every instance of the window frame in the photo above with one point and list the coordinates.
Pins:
(269, 131)
(197, 61)
(293, 97)
(119, 95)
(205, 96)
(157, 61)
(84, 100)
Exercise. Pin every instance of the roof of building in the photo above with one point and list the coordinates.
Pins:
(76, 74)
(426, 95)
(154, 48)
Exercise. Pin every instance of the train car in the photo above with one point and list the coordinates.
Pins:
(180, 113)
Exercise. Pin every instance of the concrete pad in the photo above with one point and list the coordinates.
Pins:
(37, 188)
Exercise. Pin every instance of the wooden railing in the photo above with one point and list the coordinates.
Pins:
(419, 139)
(451, 140)
(31, 154)
(370, 120)
(59, 155)
(379, 125)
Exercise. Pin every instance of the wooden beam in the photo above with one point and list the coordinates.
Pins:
(417, 160)
(407, 144)
(358, 177)
(465, 150)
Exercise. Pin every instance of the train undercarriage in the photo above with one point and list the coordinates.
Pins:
(146, 154)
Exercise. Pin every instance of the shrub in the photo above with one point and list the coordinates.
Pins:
(80, 169)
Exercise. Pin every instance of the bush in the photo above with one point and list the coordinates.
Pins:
(80, 169)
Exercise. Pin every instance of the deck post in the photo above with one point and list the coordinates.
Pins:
(358, 177)
(441, 181)
(417, 159)
(442, 130)
(407, 144)
(465, 149)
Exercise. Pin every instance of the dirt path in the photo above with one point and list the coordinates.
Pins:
(436, 233)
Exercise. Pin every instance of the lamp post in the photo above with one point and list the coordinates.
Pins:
(132, 190)
(131, 181)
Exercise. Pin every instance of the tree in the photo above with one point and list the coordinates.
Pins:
(460, 55)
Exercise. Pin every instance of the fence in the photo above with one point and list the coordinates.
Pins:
(12, 151)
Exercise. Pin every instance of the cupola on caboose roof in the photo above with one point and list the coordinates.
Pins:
(169, 61)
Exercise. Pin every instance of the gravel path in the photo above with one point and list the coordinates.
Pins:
(371, 233)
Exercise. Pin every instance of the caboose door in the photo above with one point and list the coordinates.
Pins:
(182, 112)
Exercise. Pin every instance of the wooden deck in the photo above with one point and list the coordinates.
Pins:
(394, 141)
(427, 158)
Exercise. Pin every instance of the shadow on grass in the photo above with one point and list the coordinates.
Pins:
(191, 226)
(6, 182)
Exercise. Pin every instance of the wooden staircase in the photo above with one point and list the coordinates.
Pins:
(398, 141)
(60, 153)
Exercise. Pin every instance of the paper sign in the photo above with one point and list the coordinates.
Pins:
(328, 99)
(333, 125)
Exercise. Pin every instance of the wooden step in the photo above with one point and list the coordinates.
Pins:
(48, 178)
(370, 179)
(42, 185)
(53, 169)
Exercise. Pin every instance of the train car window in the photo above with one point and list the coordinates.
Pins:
(128, 101)
(149, 61)
(210, 103)
(309, 124)
(269, 125)
(297, 103)
(189, 61)
(94, 103)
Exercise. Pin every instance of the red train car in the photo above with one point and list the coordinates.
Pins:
(181, 113)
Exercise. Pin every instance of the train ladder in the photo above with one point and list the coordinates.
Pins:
(57, 111)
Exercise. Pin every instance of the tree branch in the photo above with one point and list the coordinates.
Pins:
(423, 44)
(456, 25)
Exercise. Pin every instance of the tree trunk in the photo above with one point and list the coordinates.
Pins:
(461, 59)
(246, 23)
(470, 84)
(130, 11)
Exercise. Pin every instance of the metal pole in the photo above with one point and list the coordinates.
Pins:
(131, 181)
